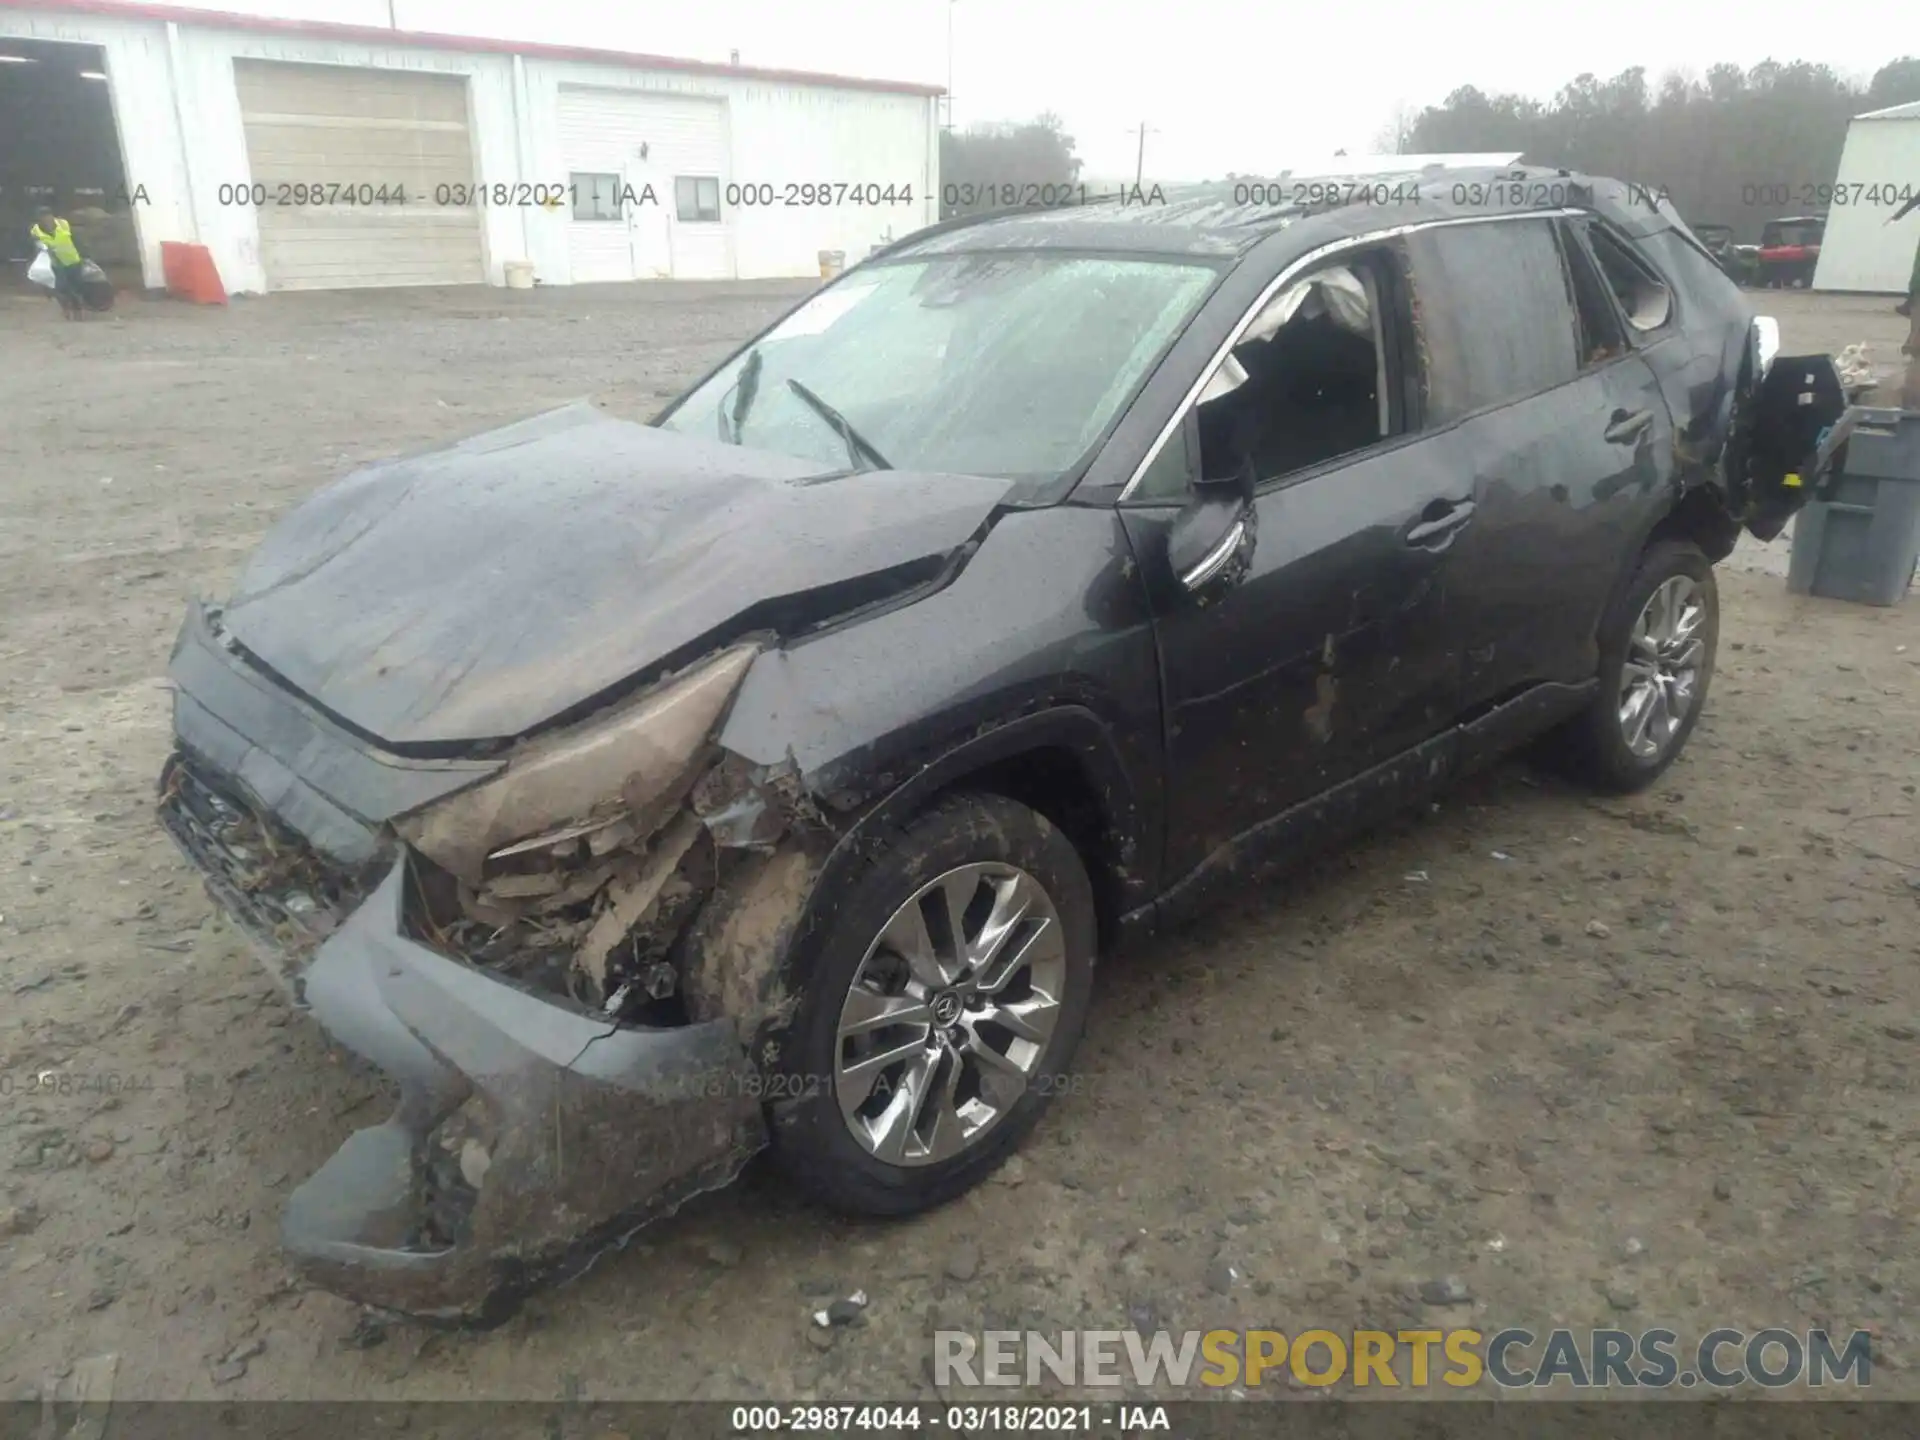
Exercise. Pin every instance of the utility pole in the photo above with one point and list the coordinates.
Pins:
(392, 23)
(950, 4)
(1140, 157)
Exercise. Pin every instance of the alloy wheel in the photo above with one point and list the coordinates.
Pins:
(1660, 678)
(949, 1014)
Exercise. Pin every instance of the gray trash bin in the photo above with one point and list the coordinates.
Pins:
(1861, 542)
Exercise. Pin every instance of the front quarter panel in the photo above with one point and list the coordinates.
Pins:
(1043, 635)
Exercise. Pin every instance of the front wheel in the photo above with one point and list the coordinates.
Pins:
(1657, 649)
(948, 996)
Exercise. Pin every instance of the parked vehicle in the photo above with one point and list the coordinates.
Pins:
(638, 795)
(1740, 263)
(1790, 251)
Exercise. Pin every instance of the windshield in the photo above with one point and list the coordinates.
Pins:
(1004, 365)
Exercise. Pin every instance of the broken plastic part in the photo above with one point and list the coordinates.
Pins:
(632, 900)
(750, 807)
(560, 837)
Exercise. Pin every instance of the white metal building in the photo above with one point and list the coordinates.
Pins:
(283, 146)
(1880, 167)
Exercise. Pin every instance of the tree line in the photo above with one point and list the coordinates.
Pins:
(1737, 147)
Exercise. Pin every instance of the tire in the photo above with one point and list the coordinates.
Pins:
(1598, 745)
(813, 1141)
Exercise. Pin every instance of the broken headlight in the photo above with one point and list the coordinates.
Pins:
(629, 769)
(574, 869)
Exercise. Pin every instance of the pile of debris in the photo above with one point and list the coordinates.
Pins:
(1857, 372)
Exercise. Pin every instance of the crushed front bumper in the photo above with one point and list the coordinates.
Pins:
(530, 1135)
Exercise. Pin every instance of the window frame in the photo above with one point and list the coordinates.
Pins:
(1548, 220)
(1580, 263)
(1417, 427)
(1380, 265)
(1393, 348)
(1638, 336)
(700, 215)
(574, 177)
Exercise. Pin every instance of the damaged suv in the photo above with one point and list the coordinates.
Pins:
(638, 796)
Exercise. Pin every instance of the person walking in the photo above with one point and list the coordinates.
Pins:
(55, 236)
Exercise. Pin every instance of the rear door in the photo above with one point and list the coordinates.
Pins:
(1568, 439)
(1750, 431)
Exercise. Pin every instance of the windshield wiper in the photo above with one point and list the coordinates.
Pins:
(744, 390)
(857, 444)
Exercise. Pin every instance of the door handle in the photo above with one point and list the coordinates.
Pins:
(1624, 427)
(1439, 522)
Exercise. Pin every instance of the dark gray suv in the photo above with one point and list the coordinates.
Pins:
(638, 795)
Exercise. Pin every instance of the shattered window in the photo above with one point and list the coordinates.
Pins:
(1496, 321)
(1642, 294)
(1601, 338)
(1306, 384)
(1011, 365)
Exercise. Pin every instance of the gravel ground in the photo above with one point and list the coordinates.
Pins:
(1642, 1062)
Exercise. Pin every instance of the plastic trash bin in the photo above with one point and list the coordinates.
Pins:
(1861, 541)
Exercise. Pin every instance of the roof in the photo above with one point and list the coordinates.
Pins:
(1225, 219)
(1909, 111)
(477, 44)
(1393, 164)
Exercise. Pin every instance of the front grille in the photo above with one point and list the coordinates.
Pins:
(272, 881)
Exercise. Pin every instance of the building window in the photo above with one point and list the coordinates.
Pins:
(697, 198)
(595, 197)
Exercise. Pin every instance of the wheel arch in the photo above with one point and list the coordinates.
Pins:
(1063, 764)
(1698, 516)
(1060, 762)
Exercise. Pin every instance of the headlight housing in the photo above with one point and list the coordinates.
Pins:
(632, 767)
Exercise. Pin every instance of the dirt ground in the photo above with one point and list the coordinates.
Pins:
(1638, 1062)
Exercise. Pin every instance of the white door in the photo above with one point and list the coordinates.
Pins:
(649, 194)
(360, 176)
(639, 146)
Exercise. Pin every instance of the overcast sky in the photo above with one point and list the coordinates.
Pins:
(1242, 85)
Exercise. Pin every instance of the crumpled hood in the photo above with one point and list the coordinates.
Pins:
(476, 591)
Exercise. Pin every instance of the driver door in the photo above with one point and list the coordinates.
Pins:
(1323, 654)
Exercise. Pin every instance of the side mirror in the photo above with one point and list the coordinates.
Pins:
(1212, 540)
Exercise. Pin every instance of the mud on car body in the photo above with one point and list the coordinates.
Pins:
(636, 796)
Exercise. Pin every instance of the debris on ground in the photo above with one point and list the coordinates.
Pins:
(1448, 1290)
(846, 1311)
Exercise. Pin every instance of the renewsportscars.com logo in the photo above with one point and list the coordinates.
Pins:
(1512, 1359)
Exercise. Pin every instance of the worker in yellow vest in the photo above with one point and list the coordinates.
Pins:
(56, 236)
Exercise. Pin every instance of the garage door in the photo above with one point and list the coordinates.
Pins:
(311, 128)
(619, 146)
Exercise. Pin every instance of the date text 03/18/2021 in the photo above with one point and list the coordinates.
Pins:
(964, 1419)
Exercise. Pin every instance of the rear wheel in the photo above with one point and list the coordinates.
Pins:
(1657, 649)
(952, 986)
